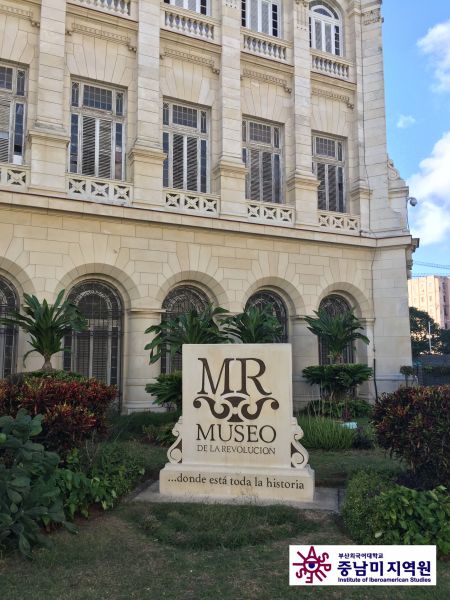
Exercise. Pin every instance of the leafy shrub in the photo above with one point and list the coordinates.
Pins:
(72, 410)
(407, 516)
(414, 424)
(167, 391)
(359, 511)
(364, 438)
(256, 325)
(376, 510)
(19, 378)
(202, 526)
(125, 427)
(326, 434)
(159, 434)
(326, 407)
(336, 380)
(29, 496)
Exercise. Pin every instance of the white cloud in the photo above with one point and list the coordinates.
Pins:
(431, 186)
(405, 121)
(436, 44)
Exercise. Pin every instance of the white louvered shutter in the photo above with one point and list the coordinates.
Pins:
(192, 5)
(322, 193)
(104, 149)
(253, 14)
(5, 124)
(88, 146)
(192, 164)
(332, 189)
(267, 177)
(178, 162)
(254, 175)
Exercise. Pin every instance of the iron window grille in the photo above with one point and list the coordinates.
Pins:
(199, 6)
(97, 131)
(8, 333)
(186, 145)
(179, 301)
(329, 168)
(325, 28)
(96, 352)
(265, 298)
(263, 16)
(334, 305)
(262, 156)
(13, 90)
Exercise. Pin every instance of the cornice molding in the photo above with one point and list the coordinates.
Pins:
(333, 96)
(115, 38)
(247, 74)
(189, 57)
(19, 12)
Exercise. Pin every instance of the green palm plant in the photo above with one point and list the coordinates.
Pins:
(336, 331)
(46, 324)
(190, 328)
(256, 325)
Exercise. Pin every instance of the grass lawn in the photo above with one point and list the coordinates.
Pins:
(139, 552)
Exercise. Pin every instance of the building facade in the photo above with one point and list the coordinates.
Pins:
(431, 293)
(160, 156)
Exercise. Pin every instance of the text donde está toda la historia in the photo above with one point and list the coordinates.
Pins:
(269, 482)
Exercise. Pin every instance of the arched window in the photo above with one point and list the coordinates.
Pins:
(265, 298)
(178, 301)
(97, 352)
(334, 305)
(325, 28)
(8, 333)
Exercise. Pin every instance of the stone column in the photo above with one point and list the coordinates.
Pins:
(229, 174)
(137, 370)
(304, 354)
(146, 156)
(49, 136)
(392, 342)
(302, 184)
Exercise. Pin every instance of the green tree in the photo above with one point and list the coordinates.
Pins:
(445, 341)
(190, 328)
(421, 324)
(46, 324)
(336, 331)
(256, 325)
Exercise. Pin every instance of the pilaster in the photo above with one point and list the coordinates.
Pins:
(48, 136)
(230, 172)
(302, 184)
(146, 157)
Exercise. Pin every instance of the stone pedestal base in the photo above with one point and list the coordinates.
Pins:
(270, 484)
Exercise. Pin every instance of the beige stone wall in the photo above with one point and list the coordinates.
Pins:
(51, 240)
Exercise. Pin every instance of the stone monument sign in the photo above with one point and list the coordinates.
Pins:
(237, 435)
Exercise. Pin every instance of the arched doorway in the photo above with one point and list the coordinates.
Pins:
(178, 301)
(264, 298)
(8, 333)
(97, 352)
(335, 305)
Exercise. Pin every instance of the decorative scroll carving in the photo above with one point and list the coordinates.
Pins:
(299, 455)
(175, 452)
(194, 58)
(267, 79)
(393, 173)
(372, 16)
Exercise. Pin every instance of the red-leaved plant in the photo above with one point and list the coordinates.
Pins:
(73, 410)
(414, 424)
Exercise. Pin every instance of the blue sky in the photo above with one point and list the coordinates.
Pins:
(417, 75)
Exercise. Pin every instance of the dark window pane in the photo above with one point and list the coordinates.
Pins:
(166, 160)
(74, 144)
(178, 162)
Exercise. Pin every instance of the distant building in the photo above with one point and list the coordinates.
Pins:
(431, 294)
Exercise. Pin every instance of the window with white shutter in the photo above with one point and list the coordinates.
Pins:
(185, 142)
(97, 140)
(199, 6)
(262, 155)
(263, 16)
(325, 28)
(329, 167)
(12, 114)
